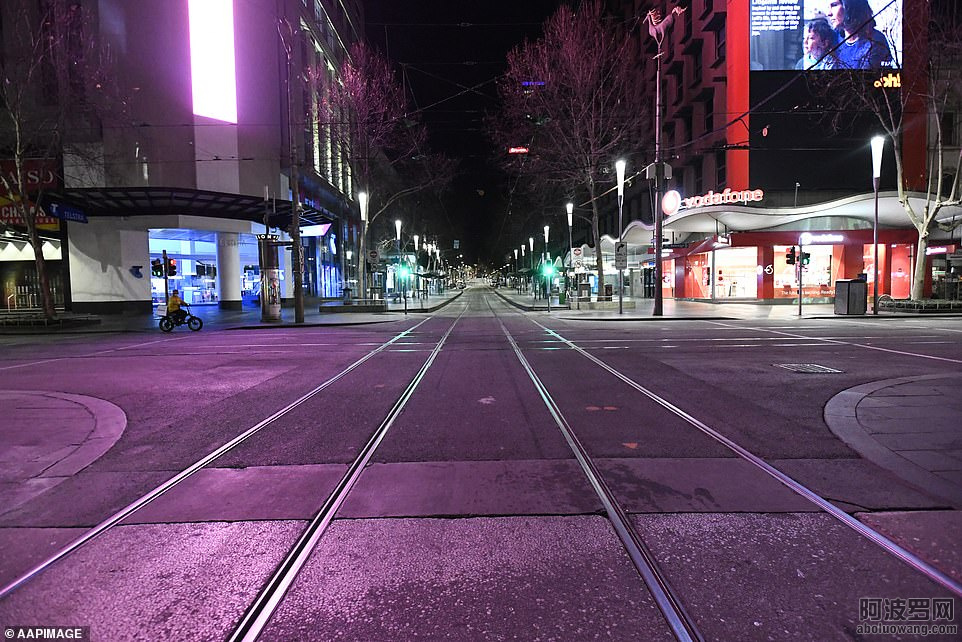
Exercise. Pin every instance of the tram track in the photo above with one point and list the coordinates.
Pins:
(670, 601)
(147, 498)
(863, 530)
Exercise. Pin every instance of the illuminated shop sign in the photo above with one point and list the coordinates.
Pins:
(936, 250)
(811, 239)
(672, 201)
(212, 66)
(517, 150)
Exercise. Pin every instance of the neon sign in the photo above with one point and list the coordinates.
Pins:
(517, 150)
(724, 197)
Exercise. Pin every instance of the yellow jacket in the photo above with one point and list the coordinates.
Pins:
(174, 303)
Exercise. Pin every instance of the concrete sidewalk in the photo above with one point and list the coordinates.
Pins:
(247, 317)
(675, 309)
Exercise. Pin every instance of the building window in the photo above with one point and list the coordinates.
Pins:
(709, 114)
(720, 45)
(948, 123)
(720, 172)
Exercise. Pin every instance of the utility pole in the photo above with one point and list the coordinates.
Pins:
(297, 250)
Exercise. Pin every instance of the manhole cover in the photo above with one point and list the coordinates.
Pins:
(812, 368)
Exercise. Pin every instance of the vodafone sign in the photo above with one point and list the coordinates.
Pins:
(672, 201)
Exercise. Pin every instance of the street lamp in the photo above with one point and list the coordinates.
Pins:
(878, 144)
(397, 243)
(362, 259)
(620, 171)
(570, 207)
(516, 268)
(534, 290)
(547, 272)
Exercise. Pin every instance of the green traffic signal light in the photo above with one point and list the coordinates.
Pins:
(805, 258)
(404, 271)
(156, 267)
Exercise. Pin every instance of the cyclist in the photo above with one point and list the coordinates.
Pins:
(174, 309)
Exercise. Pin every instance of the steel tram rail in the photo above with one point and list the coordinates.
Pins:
(864, 530)
(260, 611)
(667, 600)
(164, 487)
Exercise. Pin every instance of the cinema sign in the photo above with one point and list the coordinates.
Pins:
(672, 202)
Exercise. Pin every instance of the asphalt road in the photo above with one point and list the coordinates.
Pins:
(477, 473)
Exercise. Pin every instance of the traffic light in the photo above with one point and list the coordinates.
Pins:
(547, 269)
(404, 272)
(156, 267)
(804, 258)
(790, 257)
(171, 267)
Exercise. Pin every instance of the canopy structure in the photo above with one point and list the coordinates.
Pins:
(164, 201)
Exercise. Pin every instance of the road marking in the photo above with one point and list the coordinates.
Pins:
(866, 531)
(145, 499)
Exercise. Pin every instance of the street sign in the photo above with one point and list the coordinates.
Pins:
(621, 255)
(577, 253)
(374, 256)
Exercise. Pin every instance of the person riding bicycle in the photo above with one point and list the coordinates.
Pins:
(174, 309)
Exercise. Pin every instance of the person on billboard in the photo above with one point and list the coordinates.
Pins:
(863, 46)
(819, 39)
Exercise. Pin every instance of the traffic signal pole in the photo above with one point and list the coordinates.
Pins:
(166, 292)
(800, 268)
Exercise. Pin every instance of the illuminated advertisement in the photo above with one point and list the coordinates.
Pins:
(825, 34)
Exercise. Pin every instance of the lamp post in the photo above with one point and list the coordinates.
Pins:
(878, 144)
(534, 290)
(620, 171)
(416, 278)
(397, 245)
(522, 263)
(547, 274)
(658, 28)
(570, 208)
(362, 259)
(516, 266)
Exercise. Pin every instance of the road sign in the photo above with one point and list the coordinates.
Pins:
(577, 253)
(621, 255)
(374, 256)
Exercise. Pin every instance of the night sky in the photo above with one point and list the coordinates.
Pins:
(449, 54)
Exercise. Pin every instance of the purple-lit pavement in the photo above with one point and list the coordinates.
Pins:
(479, 473)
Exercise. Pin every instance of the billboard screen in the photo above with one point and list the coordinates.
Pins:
(825, 34)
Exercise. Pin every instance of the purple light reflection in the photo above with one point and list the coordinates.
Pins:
(213, 79)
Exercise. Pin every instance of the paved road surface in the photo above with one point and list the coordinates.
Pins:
(478, 473)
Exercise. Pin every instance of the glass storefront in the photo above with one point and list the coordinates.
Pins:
(736, 273)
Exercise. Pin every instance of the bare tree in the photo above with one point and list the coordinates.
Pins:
(908, 103)
(368, 122)
(574, 99)
(53, 87)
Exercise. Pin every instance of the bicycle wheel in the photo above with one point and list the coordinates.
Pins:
(195, 323)
(166, 324)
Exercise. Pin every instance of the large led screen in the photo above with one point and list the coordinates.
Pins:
(826, 34)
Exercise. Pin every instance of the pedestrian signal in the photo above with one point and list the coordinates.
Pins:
(157, 267)
(804, 258)
(790, 257)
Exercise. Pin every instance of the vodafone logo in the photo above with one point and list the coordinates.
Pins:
(670, 202)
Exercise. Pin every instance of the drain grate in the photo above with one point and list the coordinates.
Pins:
(810, 368)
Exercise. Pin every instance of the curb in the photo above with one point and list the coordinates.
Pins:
(841, 418)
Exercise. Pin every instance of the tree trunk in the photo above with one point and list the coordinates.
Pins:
(596, 232)
(46, 301)
(918, 277)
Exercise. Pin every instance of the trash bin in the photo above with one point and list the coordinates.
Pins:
(347, 296)
(851, 296)
(562, 297)
(609, 289)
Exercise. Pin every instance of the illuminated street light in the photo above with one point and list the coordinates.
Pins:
(878, 144)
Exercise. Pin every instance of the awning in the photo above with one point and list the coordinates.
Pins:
(165, 201)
